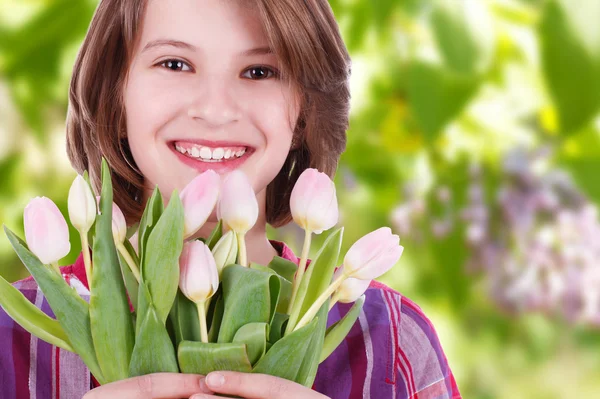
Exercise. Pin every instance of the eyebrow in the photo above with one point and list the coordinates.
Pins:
(183, 45)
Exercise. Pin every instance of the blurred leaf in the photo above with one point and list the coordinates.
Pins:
(437, 95)
(32, 55)
(570, 37)
(465, 34)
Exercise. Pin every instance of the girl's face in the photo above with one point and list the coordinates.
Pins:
(203, 93)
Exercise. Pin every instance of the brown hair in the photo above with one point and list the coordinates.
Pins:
(303, 34)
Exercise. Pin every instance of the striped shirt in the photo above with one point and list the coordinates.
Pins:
(392, 351)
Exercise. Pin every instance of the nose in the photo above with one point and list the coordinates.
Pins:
(214, 103)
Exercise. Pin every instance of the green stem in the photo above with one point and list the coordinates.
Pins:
(202, 317)
(301, 270)
(312, 311)
(85, 248)
(242, 247)
(334, 299)
(55, 267)
(130, 262)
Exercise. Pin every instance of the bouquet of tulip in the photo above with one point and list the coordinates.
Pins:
(178, 304)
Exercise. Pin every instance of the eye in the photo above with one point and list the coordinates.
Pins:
(175, 65)
(260, 73)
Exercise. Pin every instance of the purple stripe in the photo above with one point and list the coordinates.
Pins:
(7, 370)
(375, 309)
(44, 362)
(334, 376)
(419, 319)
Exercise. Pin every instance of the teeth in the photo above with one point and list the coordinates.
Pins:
(206, 154)
(218, 153)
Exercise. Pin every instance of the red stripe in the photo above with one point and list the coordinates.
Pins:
(394, 324)
(408, 371)
(57, 372)
(21, 353)
(358, 354)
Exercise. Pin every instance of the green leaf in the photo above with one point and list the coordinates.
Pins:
(215, 235)
(69, 308)
(277, 327)
(240, 284)
(254, 335)
(131, 283)
(340, 329)
(160, 270)
(31, 318)
(215, 315)
(437, 96)
(570, 41)
(203, 358)
(319, 274)
(184, 319)
(464, 32)
(283, 267)
(154, 208)
(308, 370)
(284, 359)
(285, 287)
(153, 351)
(110, 317)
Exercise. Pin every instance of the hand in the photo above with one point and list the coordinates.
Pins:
(255, 386)
(158, 385)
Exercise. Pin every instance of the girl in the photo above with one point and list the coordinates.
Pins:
(166, 89)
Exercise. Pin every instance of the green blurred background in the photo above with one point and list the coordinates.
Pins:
(475, 134)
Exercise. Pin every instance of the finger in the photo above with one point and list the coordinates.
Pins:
(256, 386)
(158, 385)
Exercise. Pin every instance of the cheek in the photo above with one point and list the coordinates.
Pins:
(274, 112)
(150, 103)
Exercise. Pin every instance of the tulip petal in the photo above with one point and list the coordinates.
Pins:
(46, 230)
(313, 201)
(373, 254)
(199, 198)
(199, 277)
(238, 206)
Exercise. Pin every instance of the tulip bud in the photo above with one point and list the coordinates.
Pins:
(198, 277)
(237, 205)
(351, 288)
(199, 198)
(81, 205)
(119, 225)
(225, 251)
(373, 255)
(46, 230)
(313, 202)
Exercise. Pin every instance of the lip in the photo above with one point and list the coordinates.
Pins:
(219, 167)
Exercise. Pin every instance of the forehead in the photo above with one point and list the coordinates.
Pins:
(205, 24)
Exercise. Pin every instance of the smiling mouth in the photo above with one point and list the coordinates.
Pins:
(210, 154)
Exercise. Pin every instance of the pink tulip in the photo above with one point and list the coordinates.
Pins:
(351, 288)
(81, 205)
(313, 202)
(198, 277)
(46, 230)
(119, 224)
(199, 198)
(373, 255)
(237, 204)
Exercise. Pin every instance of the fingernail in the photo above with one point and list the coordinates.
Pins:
(215, 379)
